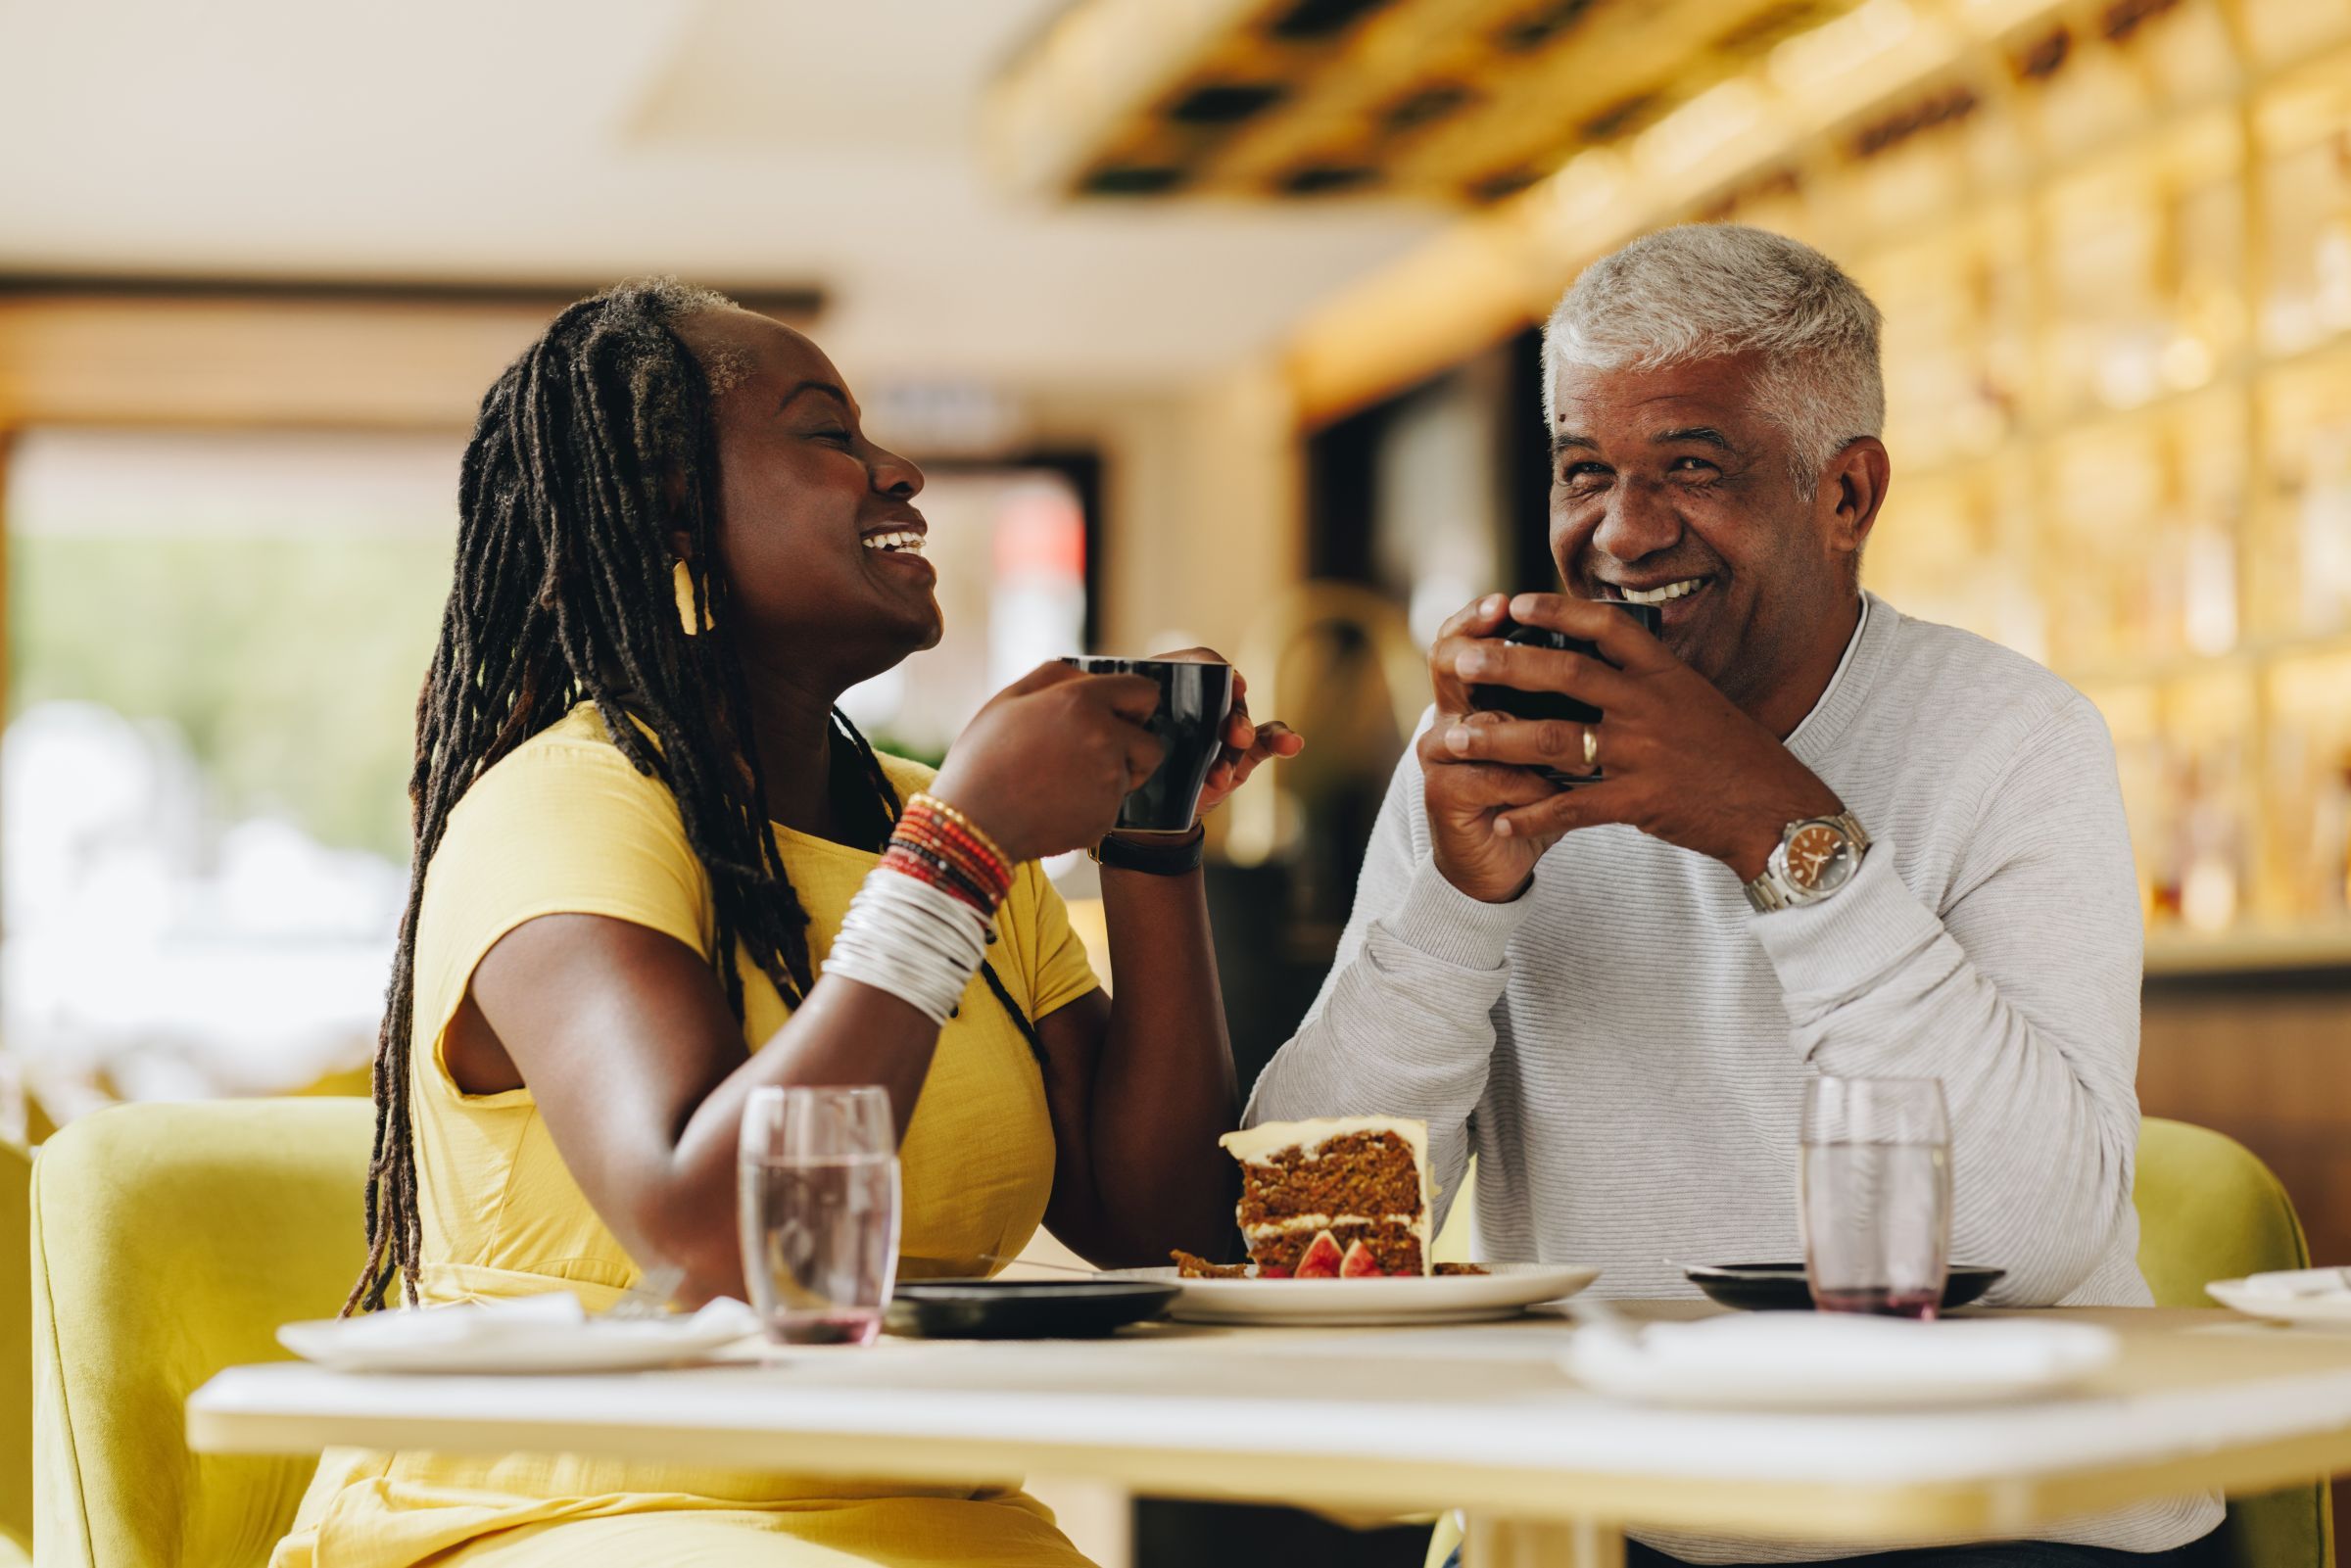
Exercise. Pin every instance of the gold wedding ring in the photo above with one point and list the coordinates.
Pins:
(1591, 747)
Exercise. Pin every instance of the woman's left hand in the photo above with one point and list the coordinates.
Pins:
(1246, 742)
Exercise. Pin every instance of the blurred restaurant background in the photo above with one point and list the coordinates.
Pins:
(1211, 322)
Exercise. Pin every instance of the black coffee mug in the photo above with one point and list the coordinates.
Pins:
(1558, 704)
(1195, 701)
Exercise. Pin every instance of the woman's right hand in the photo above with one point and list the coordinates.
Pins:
(1044, 766)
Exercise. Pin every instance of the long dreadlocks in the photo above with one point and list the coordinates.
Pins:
(589, 453)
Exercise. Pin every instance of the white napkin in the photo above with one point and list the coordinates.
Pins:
(2297, 1282)
(525, 1333)
(1834, 1360)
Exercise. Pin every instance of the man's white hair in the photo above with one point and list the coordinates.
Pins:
(1707, 289)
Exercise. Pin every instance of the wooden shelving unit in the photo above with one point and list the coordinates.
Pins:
(2118, 298)
(2251, 950)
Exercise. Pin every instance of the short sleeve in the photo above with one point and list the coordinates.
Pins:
(1058, 971)
(560, 826)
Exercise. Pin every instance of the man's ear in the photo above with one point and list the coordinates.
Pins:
(1852, 488)
(681, 544)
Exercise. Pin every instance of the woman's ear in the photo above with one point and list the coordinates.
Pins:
(681, 544)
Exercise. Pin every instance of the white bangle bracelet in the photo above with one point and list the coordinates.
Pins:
(920, 943)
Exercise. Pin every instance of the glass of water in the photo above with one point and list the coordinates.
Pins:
(818, 1184)
(1876, 1203)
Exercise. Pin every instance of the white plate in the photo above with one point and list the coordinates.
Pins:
(519, 1346)
(2331, 1311)
(1831, 1362)
(1347, 1302)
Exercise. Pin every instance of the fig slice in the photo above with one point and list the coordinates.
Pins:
(1359, 1263)
(1321, 1260)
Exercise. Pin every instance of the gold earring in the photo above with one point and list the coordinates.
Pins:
(682, 580)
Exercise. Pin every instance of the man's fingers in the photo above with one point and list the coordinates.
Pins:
(1429, 745)
(1563, 813)
(1480, 617)
(1444, 660)
(1533, 668)
(1435, 743)
(1451, 686)
(1527, 743)
(1618, 635)
(1485, 786)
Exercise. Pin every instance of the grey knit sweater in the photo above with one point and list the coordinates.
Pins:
(1624, 1047)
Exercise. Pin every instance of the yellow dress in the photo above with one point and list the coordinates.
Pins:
(565, 825)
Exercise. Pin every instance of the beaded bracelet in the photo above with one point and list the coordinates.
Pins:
(937, 845)
(925, 827)
(955, 857)
(996, 850)
(924, 867)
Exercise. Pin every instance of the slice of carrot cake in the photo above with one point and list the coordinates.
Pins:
(1336, 1196)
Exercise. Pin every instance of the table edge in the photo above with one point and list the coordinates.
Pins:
(1832, 1511)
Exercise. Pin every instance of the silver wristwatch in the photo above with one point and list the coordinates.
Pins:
(1815, 856)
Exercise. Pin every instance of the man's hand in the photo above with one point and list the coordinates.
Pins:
(1468, 797)
(1683, 763)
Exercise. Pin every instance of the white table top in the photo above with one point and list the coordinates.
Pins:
(1401, 1420)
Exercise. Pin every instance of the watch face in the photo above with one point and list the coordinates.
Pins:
(1817, 857)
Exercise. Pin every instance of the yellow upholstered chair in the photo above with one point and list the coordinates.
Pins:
(169, 1241)
(2208, 1208)
(16, 1356)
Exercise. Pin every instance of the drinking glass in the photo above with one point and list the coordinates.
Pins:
(1876, 1203)
(818, 1181)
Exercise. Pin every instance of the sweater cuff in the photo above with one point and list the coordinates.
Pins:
(1439, 920)
(1835, 949)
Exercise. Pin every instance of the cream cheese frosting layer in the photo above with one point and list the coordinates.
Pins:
(1268, 1138)
(1271, 1137)
(1310, 1223)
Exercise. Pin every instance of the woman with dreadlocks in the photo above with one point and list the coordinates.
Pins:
(656, 868)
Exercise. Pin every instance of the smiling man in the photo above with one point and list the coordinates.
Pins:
(1830, 840)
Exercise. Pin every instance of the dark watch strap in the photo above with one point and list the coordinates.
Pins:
(1170, 857)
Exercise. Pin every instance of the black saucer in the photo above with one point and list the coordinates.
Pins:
(1023, 1308)
(1781, 1287)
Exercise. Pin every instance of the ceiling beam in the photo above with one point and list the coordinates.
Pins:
(794, 306)
(1501, 268)
(1046, 116)
(201, 353)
